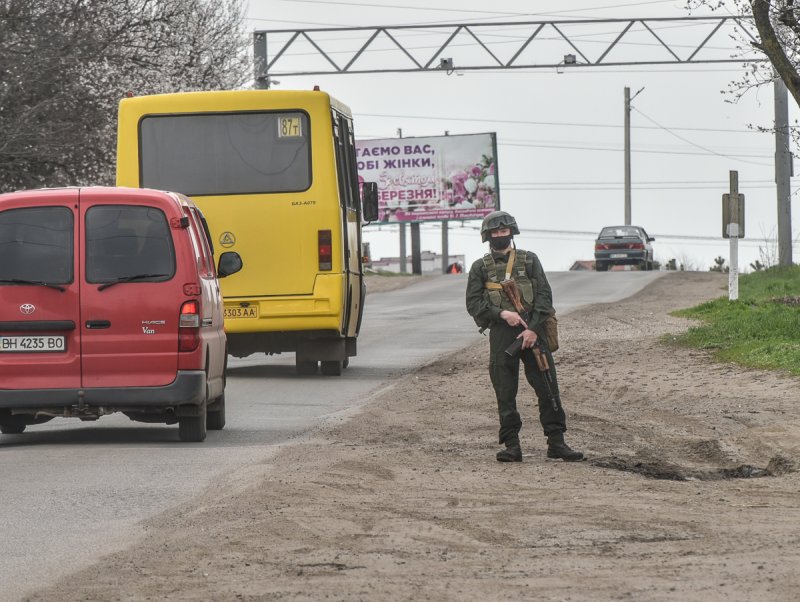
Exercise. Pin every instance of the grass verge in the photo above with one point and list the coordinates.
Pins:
(759, 330)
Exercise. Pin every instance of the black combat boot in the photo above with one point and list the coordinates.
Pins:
(558, 450)
(512, 452)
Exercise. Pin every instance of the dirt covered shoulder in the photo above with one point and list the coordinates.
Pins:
(689, 491)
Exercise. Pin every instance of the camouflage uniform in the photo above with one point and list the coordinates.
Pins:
(485, 304)
(504, 370)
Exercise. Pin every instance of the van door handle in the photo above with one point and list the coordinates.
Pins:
(96, 324)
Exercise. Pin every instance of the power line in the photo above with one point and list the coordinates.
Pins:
(554, 123)
(497, 14)
(641, 151)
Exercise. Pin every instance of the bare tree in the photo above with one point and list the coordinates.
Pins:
(777, 37)
(65, 64)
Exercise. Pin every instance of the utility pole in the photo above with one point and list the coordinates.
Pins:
(445, 245)
(627, 156)
(402, 230)
(628, 99)
(783, 173)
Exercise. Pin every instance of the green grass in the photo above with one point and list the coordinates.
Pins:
(759, 330)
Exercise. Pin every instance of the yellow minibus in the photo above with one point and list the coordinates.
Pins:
(274, 173)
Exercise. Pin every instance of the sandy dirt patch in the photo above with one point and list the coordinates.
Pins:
(402, 499)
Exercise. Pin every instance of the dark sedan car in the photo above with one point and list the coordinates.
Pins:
(623, 245)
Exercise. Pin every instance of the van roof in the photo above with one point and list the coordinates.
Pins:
(142, 193)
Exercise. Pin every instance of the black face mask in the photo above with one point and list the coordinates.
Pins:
(500, 243)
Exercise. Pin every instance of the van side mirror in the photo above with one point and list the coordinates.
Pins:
(650, 238)
(229, 263)
(369, 193)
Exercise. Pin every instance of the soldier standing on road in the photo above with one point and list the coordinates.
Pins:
(492, 309)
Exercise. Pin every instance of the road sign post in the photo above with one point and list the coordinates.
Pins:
(733, 229)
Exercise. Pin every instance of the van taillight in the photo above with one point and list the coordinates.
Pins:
(325, 250)
(189, 326)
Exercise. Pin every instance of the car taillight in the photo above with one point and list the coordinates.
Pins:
(189, 326)
(636, 245)
(325, 250)
(598, 246)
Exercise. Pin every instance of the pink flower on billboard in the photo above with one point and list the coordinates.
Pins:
(472, 187)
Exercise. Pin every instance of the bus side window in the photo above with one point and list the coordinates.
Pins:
(341, 170)
(345, 163)
(352, 171)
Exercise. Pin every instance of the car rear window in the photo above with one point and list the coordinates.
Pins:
(125, 241)
(36, 244)
(620, 231)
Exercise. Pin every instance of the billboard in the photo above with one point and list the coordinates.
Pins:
(434, 178)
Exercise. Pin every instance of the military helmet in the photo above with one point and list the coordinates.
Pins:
(496, 220)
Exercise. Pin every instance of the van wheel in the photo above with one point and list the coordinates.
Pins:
(12, 429)
(332, 368)
(215, 414)
(192, 429)
(306, 367)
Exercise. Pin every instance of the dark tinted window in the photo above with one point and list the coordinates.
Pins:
(128, 240)
(36, 244)
(238, 153)
(626, 231)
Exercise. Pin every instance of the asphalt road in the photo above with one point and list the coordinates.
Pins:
(71, 492)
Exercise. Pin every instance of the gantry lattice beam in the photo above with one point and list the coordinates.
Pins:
(508, 45)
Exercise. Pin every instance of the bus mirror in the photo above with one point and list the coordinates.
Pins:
(370, 202)
(229, 263)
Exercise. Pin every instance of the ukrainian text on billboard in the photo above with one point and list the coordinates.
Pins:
(435, 178)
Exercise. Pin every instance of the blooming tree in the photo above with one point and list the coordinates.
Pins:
(65, 64)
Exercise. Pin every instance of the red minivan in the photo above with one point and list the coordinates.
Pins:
(109, 302)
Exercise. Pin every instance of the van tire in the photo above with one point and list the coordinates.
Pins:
(192, 429)
(215, 415)
(332, 368)
(12, 429)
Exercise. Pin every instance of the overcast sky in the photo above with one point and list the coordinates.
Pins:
(560, 132)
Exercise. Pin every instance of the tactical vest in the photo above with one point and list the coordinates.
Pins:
(515, 270)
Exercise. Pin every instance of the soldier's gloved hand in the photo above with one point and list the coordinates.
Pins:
(528, 338)
(512, 318)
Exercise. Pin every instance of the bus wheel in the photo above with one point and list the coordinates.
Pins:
(333, 368)
(305, 367)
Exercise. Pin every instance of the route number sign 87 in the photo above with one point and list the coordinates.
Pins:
(289, 127)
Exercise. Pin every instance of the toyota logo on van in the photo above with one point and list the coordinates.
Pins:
(27, 308)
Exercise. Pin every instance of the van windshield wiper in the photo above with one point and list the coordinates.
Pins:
(34, 282)
(133, 278)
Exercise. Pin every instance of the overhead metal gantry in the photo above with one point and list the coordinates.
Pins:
(552, 44)
(506, 45)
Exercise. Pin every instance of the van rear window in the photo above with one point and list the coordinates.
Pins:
(36, 244)
(128, 241)
(226, 153)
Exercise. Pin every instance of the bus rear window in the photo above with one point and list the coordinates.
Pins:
(226, 153)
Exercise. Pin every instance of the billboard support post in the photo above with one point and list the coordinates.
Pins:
(403, 251)
(445, 249)
(416, 256)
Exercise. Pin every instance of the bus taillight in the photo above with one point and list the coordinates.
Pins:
(325, 250)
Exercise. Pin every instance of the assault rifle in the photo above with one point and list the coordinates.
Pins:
(511, 290)
(539, 348)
